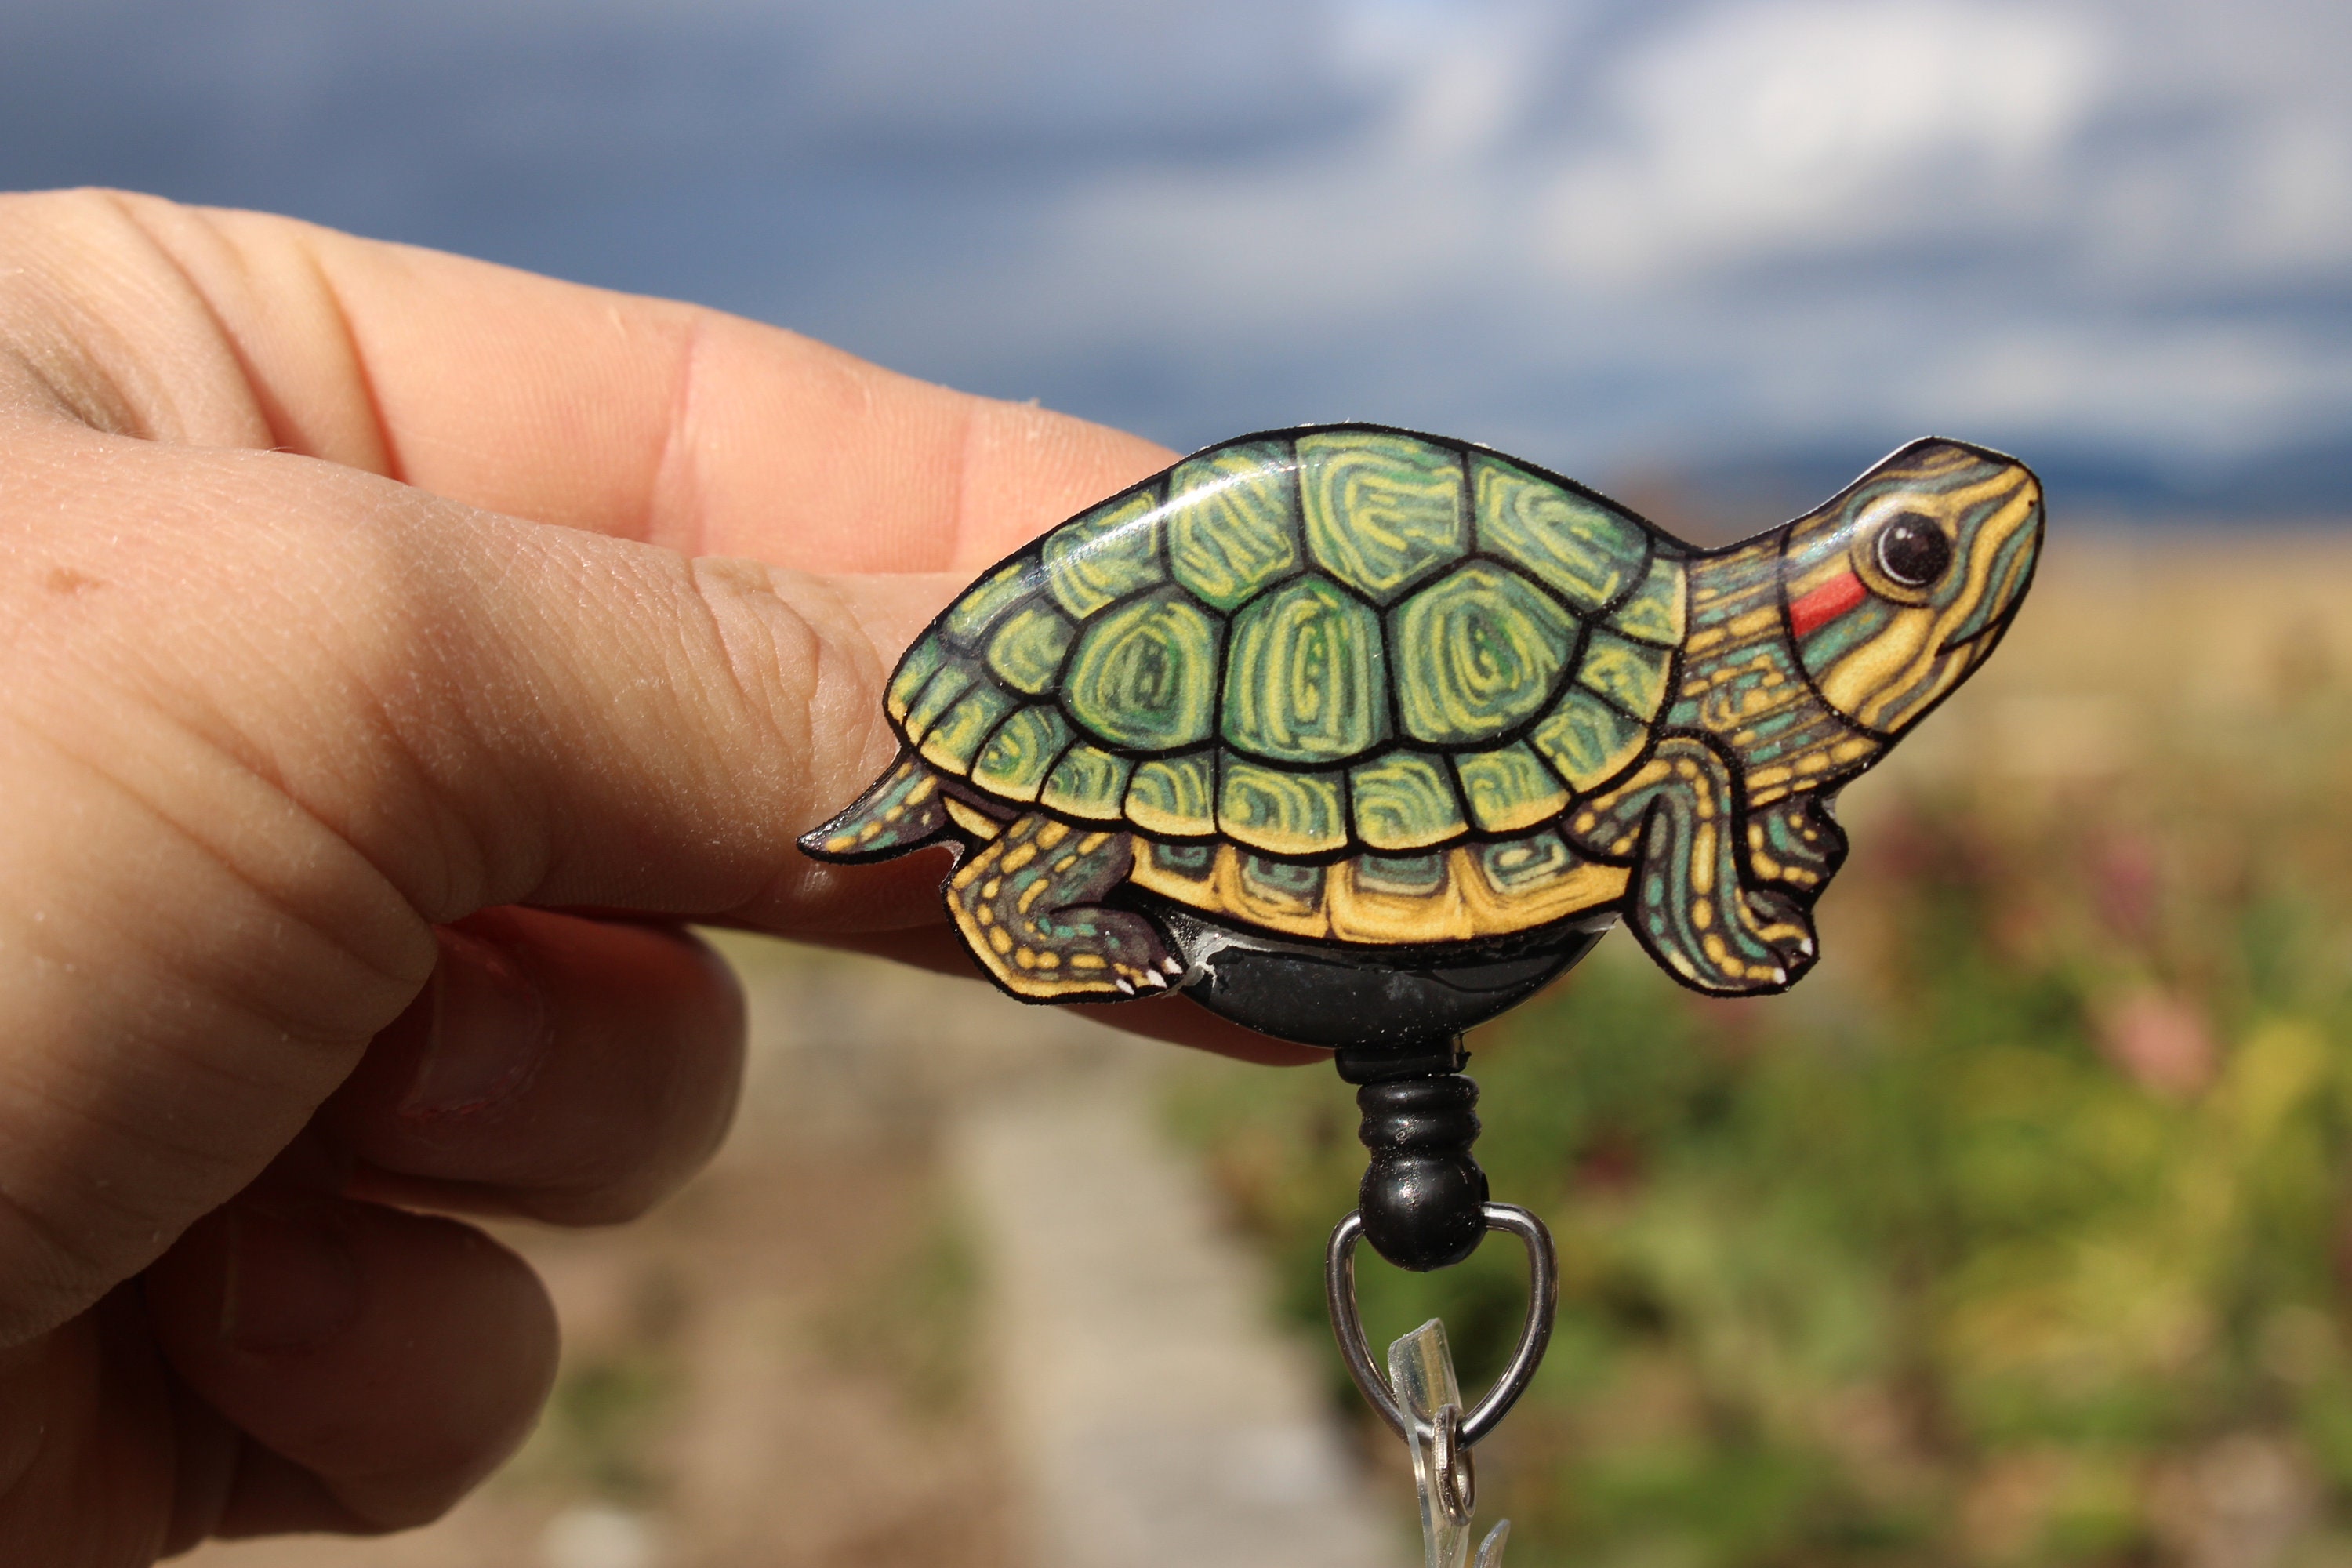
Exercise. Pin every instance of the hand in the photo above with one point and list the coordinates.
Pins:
(367, 610)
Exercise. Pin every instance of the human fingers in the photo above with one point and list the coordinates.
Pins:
(546, 400)
(567, 1069)
(233, 828)
(267, 719)
(368, 1366)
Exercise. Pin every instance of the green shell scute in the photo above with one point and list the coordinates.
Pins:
(1382, 512)
(1145, 674)
(1089, 783)
(1532, 860)
(919, 664)
(1022, 750)
(1283, 881)
(1025, 651)
(1306, 676)
(1103, 555)
(1510, 789)
(1175, 797)
(1279, 811)
(1585, 553)
(1405, 800)
(1659, 609)
(1193, 862)
(1631, 675)
(1232, 522)
(971, 616)
(938, 694)
(1477, 653)
(954, 741)
(1587, 741)
(1401, 877)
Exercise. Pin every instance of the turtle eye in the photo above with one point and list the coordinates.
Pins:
(1912, 551)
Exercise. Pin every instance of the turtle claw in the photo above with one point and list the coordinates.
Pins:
(1782, 927)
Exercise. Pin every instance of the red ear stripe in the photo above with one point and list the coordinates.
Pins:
(1826, 603)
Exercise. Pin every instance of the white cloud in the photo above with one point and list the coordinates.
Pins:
(1586, 228)
(2194, 390)
(1804, 126)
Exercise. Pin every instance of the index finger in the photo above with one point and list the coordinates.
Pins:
(640, 418)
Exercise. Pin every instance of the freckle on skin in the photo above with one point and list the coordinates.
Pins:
(65, 580)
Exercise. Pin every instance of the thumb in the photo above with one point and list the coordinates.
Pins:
(266, 721)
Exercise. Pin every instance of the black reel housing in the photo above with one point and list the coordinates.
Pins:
(1395, 1018)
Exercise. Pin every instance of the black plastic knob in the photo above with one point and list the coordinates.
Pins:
(1422, 1195)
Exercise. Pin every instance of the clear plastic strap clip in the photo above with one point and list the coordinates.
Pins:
(1421, 1372)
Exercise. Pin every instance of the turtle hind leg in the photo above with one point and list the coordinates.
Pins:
(1029, 905)
(1693, 902)
(902, 811)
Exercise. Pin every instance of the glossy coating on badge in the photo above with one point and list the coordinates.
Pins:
(1353, 691)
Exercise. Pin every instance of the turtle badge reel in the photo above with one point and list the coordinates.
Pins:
(1358, 737)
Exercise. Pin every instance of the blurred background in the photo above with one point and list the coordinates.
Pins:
(2022, 1233)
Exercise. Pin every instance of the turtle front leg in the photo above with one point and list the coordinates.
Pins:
(1795, 842)
(1029, 905)
(1694, 902)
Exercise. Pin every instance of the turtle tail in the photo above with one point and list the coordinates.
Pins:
(901, 811)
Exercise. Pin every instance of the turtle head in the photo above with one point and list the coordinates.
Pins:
(1900, 585)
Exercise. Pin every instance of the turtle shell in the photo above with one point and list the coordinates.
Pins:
(1340, 639)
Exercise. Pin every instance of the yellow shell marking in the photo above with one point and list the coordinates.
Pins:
(1354, 906)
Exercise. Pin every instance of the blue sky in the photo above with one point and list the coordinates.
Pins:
(1612, 236)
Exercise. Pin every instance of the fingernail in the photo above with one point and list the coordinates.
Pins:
(290, 1280)
(490, 1027)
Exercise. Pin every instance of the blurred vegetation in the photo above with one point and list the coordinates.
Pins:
(914, 1319)
(2021, 1234)
(611, 1403)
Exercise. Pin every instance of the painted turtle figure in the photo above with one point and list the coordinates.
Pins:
(1350, 695)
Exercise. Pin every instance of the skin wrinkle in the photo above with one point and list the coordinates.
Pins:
(458, 853)
(514, 862)
(840, 676)
(146, 1233)
(545, 690)
(165, 705)
(247, 385)
(235, 1013)
(59, 364)
(264, 406)
(734, 592)
(678, 464)
(78, 354)
(38, 393)
(403, 980)
(845, 669)
(384, 459)
(51, 1274)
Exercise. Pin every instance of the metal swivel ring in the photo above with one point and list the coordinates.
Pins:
(1534, 1334)
(1457, 1475)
